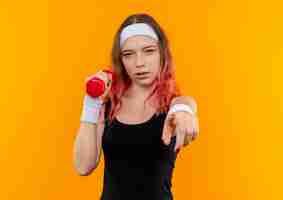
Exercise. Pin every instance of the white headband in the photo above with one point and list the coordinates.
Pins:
(137, 29)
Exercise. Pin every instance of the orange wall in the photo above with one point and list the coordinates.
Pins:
(228, 55)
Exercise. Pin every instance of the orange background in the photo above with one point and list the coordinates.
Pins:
(228, 56)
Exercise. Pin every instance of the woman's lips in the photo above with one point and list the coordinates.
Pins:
(142, 74)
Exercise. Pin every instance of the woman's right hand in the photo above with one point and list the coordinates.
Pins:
(107, 78)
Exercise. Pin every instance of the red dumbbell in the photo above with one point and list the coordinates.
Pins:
(95, 86)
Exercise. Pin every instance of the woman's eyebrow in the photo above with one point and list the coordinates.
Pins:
(145, 47)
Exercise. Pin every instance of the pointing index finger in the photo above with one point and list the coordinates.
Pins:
(168, 129)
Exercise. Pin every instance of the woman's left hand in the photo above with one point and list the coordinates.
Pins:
(182, 124)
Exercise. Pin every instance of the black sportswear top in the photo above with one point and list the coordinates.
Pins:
(137, 165)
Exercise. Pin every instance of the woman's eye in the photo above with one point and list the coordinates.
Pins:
(150, 50)
(127, 54)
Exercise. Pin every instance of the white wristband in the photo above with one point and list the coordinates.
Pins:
(180, 107)
(91, 109)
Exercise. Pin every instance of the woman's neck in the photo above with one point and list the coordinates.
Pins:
(138, 91)
(139, 94)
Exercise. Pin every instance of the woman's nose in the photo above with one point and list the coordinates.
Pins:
(140, 60)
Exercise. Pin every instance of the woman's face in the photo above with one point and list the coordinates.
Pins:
(141, 54)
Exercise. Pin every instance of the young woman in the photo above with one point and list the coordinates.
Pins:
(135, 118)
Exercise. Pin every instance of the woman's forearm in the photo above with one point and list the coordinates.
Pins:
(188, 100)
(85, 148)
